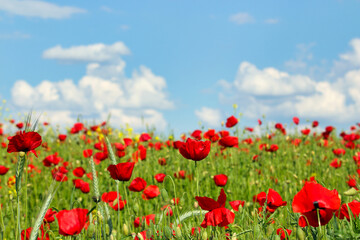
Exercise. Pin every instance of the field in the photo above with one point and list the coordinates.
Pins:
(260, 174)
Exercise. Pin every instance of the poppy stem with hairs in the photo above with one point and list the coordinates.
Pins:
(19, 170)
(118, 196)
(127, 201)
(197, 179)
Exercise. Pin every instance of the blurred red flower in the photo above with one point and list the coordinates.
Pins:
(315, 124)
(62, 137)
(231, 121)
(296, 120)
(196, 134)
(335, 163)
(3, 170)
(71, 222)
(151, 192)
(235, 204)
(144, 137)
(283, 235)
(220, 180)
(229, 141)
(79, 172)
(160, 177)
(49, 216)
(137, 185)
(20, 125)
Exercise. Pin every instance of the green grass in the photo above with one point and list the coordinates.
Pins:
(283, 171)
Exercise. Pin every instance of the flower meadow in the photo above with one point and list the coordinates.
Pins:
(92, 181)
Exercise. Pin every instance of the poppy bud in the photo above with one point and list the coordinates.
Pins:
(125, 229)
(164, 194)
(178, 232)
(204, 235)
(96, 199)
(139, 235)
(351, 192)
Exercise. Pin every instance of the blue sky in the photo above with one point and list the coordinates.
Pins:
(193, 60)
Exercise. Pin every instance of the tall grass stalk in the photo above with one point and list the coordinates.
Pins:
(44, 208)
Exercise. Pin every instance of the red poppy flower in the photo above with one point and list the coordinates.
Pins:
(339, 152)
(49, 216)
(315, 124)
(259, 122)
(178, 144)
(344, 211)
(195, 150)
(235, 204)
(168, 210)
(137, 185)
(144, 137)
(313, 200)
(20, 125)
(25, 234)
(162, 161)
(249, 129)
(220, 180)
(151, 192)
(77, 128)
(224, 133)
(52, 160)
(62, 137)
(273, 200)
(305, 131)
(114, 200)
(121, 171)
(218, 215)
(196, 134)
(3, 170)
(59, 174)
(231, 121)
(211, 135)
(1, 131)
(335, 163)
(24, 142)
(79, 172)
(180, 174)
(229, 141)
(272, 148)
(71, 222)
(101, 156)
(296, 120)
(160, 177)
(282, 234)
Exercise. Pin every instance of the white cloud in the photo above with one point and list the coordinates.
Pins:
(278, 94)
(15, 35)
(88, 53)
(41, 9)
(210, 116)
(124, 27)
(272, 21)
(241, 18)
(270, 81)
(105, 88)
(353, 57)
